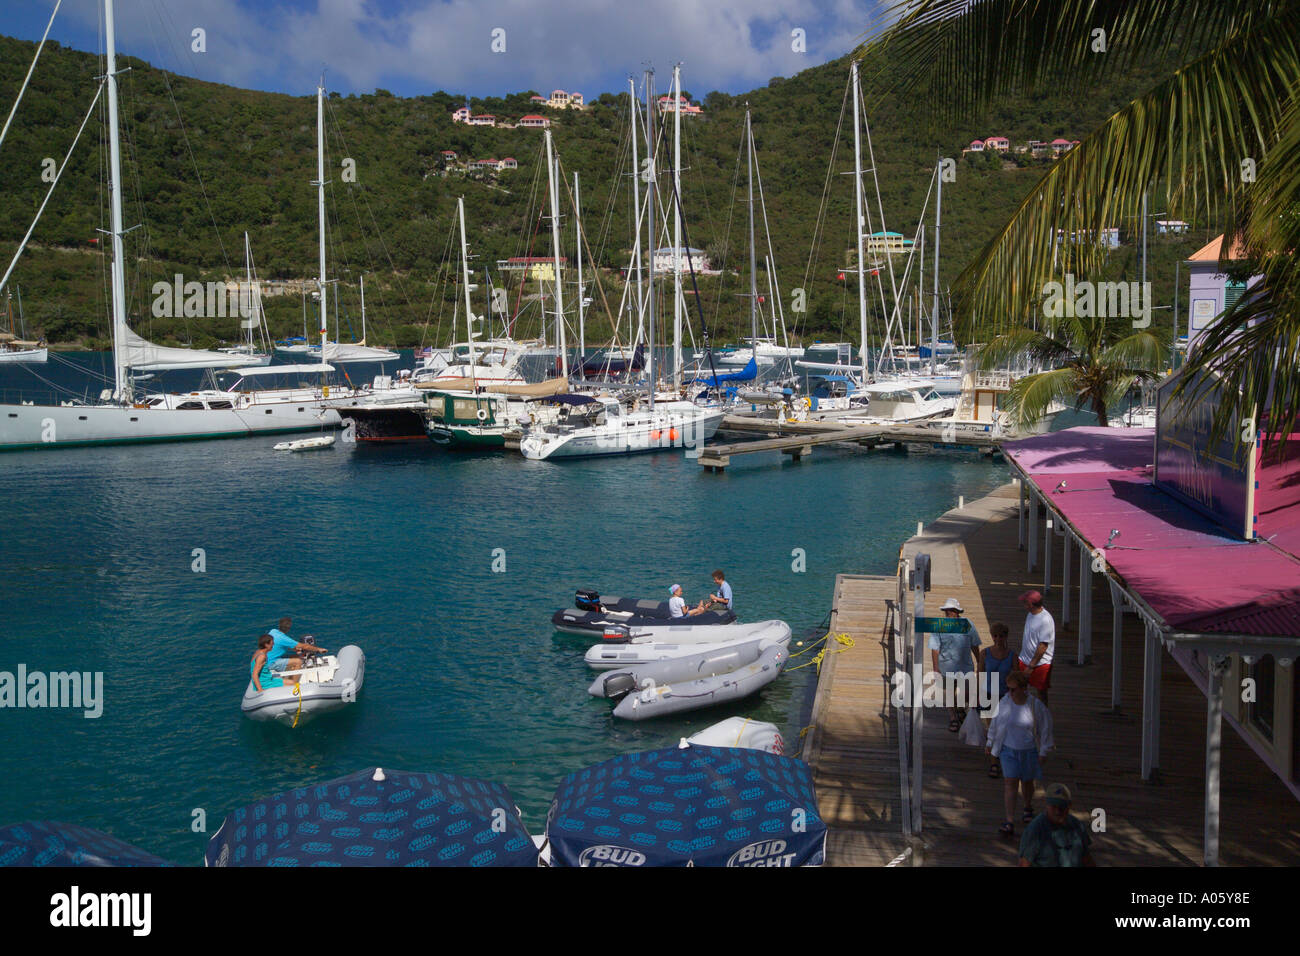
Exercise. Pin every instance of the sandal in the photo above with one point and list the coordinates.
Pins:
(995, 769)
(1028, 815)
(953, 725)
(1007, 829)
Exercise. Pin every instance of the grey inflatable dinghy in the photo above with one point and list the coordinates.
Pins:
(671, 642)
(654, 699)
(326, 683)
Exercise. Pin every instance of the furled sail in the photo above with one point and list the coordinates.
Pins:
(144, 356)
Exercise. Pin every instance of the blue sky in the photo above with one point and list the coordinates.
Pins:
(419, 46)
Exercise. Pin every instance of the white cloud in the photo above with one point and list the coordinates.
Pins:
(425, 45)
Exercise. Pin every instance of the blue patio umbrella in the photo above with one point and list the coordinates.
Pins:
(378, 818)
(692, 806)
(48, 843)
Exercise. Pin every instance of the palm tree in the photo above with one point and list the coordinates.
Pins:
(1220, 136)
(1091, 362)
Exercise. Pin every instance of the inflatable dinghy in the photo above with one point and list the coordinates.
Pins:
(306, 444)
(739, 732)
(642, 650)
(692, 633)
(655, 699)
(592, 614)
(326, 683)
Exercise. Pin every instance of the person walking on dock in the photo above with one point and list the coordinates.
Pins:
(1037, 644)
(954, 657)
(1056, 837)
(996, 662)
(1020, 736)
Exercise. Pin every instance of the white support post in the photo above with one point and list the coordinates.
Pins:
(1151, 705)
(1047, 552)
(1085, 619)
(1020, 516)
(1213, 744)
(1065, 577)
(1116, 643)
(1033, 531)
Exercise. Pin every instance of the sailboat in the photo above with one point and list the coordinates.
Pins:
(257, 321)
(14, 349)
(121, 416)
(607, 425)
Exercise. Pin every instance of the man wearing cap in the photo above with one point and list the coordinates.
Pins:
(952, 656)
(1037, 644)
(1056, 837)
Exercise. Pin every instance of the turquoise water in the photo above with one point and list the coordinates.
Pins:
(392, 549)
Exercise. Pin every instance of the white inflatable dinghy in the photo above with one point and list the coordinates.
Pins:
(656, 700)
(326, 683)
(306, 444)
(655, 644)
(693, 664)
(739, 732)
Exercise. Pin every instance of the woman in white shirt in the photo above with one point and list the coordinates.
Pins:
(1020, 736)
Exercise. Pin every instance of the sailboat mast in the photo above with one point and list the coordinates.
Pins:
(677, 229)
(857, 196)
(121, 379)
(577, 238)
(320, 204)
(650, 217)
(934, 316)
(551, 173)
(636, 212)
(753, 258)
(363, 309)
(464, 265)
(248, 279)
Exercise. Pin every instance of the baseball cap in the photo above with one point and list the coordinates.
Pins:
(1032, 597)
(1058, 795)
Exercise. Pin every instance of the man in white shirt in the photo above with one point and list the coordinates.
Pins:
(1038, 644)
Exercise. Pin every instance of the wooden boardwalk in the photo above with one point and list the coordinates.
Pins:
(853, 748)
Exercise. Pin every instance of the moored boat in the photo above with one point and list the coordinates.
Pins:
(325, 684)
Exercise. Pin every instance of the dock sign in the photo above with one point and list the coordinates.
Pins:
(942, 625)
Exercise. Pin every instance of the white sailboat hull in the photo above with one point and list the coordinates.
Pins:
(60, 426)
(625, 436)
(24, 355)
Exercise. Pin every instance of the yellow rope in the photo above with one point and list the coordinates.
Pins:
(297, 692)
(842, 639)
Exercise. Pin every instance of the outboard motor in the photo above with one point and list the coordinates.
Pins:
(619, 684)
(616, 634)
(587, 599)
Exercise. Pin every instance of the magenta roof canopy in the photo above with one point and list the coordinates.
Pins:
(1197, 576)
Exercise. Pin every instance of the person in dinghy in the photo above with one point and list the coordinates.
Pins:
(677, 604)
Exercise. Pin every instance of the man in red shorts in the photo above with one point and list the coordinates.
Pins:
(1037, 644)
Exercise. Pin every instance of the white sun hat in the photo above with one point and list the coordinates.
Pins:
(952, 604)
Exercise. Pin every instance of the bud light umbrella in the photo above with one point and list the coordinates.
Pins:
(692, 806)
(378, 818)
(47, 843)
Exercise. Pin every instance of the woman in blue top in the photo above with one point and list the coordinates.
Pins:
(954, 656)
(260, 668)
(997, 662)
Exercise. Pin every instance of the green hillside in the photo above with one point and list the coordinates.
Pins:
(205, 162)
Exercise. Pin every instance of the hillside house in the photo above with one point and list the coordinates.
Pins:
(533, 121)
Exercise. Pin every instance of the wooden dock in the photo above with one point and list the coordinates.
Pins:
(796, 439)
(852, 744)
